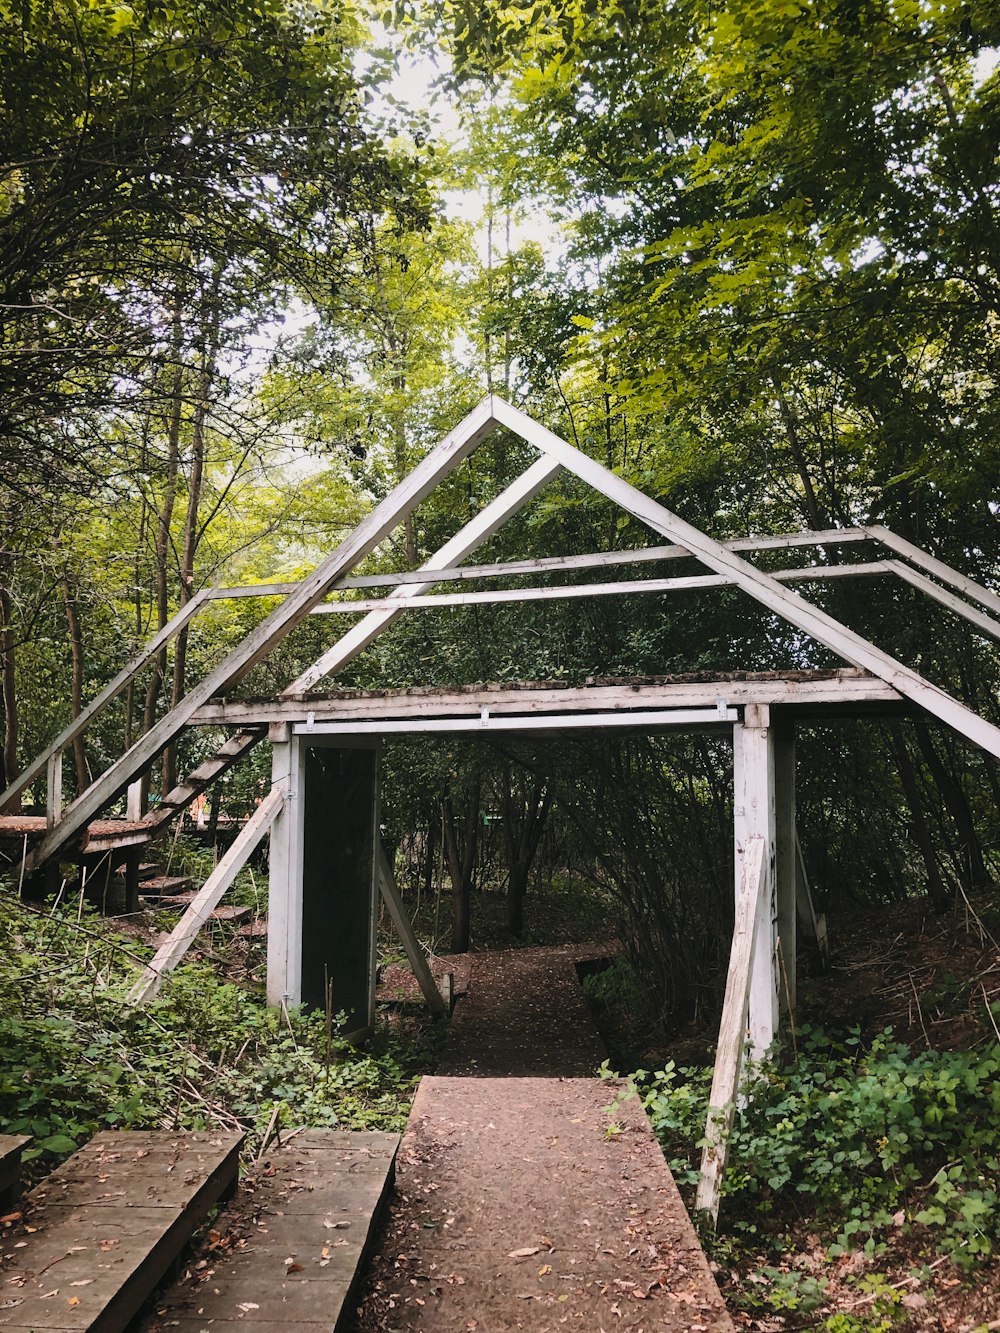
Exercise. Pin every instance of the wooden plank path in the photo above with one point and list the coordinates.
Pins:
(108, 1224)
(529, 1205)
(534, 1203)
(315, 1201)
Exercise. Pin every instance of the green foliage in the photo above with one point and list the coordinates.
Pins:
(76, 1058)
(873, 1138)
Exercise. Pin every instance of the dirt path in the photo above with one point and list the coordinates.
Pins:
(533, 1202)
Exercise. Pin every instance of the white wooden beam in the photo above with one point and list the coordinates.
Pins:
(441, 601)
(758, 584)
(53, 787)
(284, 898)
(477, 531)
(554, 564)
(931, 589)
(754, 818)
(487, 722)
(208, 897)
(930, 564)
(101, 700)
(404, 929)
(845, 687)
(732, 1033)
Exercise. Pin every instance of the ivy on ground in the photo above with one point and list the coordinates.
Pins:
(865, 1138)
(76, 1057)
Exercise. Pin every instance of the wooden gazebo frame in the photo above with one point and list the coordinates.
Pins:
(760, 712)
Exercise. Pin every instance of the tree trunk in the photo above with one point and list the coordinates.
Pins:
(161, 545)
(8, 755)
(76, 681)
(460, 850)
(192, 532)
(521, 839)
(973, 867)
(937, 891)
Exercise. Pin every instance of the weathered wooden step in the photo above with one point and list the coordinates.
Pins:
(159, 886)
(317, 1199)
(11, 1147)
(149, 870)
(110, 1221)
(224, 913)
(254, 930)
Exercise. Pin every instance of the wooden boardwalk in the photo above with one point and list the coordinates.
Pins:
(314, 1203)
(534, 1203)
(107, 1225)
(530, 1205)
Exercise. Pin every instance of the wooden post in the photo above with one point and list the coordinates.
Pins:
(284, 912)
(133, 802)
(753, 889)
(783, 730)
(754, 817)
(387, 881)
(53, 788)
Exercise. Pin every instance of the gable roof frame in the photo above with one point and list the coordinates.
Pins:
(555, 454)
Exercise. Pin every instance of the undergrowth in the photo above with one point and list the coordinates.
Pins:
(865, 1139)
(76, 1057)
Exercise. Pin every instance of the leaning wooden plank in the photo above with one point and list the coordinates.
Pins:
(732, 1034)
(486, 597)
(758, 584)
(478, 530)
(387, 883)
(940, 570)
(100, 701)
(108, 1225)
(386, 516)
(811, 922)
(208, 897)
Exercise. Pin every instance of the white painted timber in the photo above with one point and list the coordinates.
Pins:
(53, 788)
(931, 589)
(555, 564)
(732, 1033)
(929, 563)
(100, 701)
(758, 584)
(465, 541)
(754, 817)
(284, 900)
(845, 688)
(468, 539)
(386, 516)
(404, 929)
(441, 601)
(208, 897)
(486, 722)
